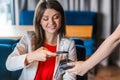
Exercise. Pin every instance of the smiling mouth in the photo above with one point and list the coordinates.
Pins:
(51, 27)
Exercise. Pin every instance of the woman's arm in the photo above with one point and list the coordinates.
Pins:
(16, 59)
(23, 55)
(102, 52)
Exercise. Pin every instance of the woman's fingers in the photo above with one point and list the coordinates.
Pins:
(71, 64)
(42, 48)
(72, 70)
(78, 69)
(50, 54)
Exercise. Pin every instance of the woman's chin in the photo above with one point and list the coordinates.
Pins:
(52, 31)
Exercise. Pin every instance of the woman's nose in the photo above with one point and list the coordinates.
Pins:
(51, 21)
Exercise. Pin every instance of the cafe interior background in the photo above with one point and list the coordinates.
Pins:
(108, 17)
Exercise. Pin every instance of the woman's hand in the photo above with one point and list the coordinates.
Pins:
(80, 68)
(41, 54)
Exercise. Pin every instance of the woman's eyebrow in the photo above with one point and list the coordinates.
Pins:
(57, 14)
(44, 16)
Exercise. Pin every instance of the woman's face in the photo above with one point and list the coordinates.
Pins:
(51, 21)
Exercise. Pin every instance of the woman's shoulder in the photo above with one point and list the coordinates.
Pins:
(67, 40)
(29, 33)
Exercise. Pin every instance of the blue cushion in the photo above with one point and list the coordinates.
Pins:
(7, 41)
(80, 18)
(90, 46)
(5, 50)
(16, 74)
(6, 47)
(26, 17)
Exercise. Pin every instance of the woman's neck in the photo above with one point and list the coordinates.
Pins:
(51, 39)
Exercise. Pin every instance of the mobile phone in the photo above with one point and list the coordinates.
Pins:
(65, 67)
(62, 52)
(63, 64)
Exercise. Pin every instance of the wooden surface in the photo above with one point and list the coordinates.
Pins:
(14, 31)
(84, 32)
(111, 72)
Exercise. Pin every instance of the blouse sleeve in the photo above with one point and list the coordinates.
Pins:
(72, 56)
(16, 59)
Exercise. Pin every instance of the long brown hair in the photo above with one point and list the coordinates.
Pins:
(40, 8)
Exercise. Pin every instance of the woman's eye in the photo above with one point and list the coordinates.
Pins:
(45, 19)
(56, 17)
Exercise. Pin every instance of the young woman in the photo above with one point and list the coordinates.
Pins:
(36, 51)
(102, 52)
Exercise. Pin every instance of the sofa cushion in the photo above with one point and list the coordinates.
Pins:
(26, 17)
(6, 47)
(90, 46)
(80, 17)
(7, 41)
(5, 50)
